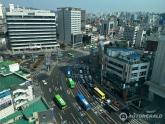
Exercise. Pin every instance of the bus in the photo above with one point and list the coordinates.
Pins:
(61, 103)
(71, 83)
(99, 93)
(70, 54)
(83, 102)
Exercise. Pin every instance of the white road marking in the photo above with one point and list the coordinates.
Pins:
(85, 92)
(73, 122)
(67, 108)
(111, 118)
(74, 118)
(60, 116)
(63, 112)
(80, 120)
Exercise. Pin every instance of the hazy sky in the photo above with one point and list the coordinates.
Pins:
(94, 5)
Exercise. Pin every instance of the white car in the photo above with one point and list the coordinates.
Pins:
(44, 82)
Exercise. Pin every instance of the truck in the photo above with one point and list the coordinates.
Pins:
(83, 102)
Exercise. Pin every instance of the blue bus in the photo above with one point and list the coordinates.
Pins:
(83, 102)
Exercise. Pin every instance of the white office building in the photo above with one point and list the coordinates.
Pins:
(69, 25)
(125, 69)
(30, 29)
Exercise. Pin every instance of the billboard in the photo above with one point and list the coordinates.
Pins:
(5, 99)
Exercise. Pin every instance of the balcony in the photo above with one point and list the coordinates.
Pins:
(19, 104)
(19, 91)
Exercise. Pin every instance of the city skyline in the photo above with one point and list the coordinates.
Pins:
(93, 6)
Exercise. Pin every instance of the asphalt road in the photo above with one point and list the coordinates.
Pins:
(72, 114)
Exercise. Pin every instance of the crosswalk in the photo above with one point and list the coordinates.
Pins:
(97, 109)
(137, 121)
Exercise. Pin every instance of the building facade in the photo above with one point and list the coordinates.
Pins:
(69, 25)
(83, 20)
(126, 70)
(130, 34)
(157, 84)
(6, 103)
(30, 29)
(2, 27)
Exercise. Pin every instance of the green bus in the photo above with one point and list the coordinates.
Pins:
(71, 55)
(71, 83)
(61, 103)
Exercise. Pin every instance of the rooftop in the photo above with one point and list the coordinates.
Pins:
(37, 105)
(23, 121)
(4, 67)
(22, 73)
(68, 8)
(45, 117)
(10, 81)
(16, 114)
(125, 54)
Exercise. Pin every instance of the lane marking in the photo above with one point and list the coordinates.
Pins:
(90, 118)
(80, 120)
(67, 108)
(63, 112)
(72, 93)
(111, 118)
(74, 118)
(60, 116)
(104, 119)
(73, 122)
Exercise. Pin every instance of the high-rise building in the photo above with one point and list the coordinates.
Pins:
(109, 26)
(69, 25)
(83, 20)
(2, 27)
(130, 34)
(30, 29)
(157, 83)
(140, 38)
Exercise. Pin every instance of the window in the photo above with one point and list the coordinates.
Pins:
(143, 73)
(114, 69)
(143, 67)
(116, 64)
(135, 68)
(134, 74)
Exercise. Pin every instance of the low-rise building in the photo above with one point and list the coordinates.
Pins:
(15, 88)
(30, 114)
